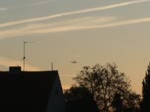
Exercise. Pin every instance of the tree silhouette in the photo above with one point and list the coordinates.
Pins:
(104, 82)
(117, 102)
(79, 99)
(131, 102)
(146, 92)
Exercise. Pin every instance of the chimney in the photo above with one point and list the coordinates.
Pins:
(14, 69)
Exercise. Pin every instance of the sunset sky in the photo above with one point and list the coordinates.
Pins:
(88, 31)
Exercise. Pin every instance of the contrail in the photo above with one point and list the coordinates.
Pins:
(3, 9)
(70, 27)
(41, 3)
(71, 13)
(109, 25)
(122, 23)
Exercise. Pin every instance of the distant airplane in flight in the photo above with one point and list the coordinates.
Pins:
(74, 62)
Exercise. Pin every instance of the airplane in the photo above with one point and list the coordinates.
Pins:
(74, 62)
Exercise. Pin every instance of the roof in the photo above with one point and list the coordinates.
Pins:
(26, 91)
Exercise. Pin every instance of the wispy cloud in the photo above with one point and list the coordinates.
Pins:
(72, 13)
(67, 25)
(70, 25)
(91, 26)
(123, 23)
(11, 62)
(41, 2)
(3, 9)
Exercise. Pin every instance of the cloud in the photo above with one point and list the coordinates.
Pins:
(70, 25)
(72, 13)
(41, 3)
(3, 9)
(125, 22)
(10, 62)
(94, 26)
(67, 25)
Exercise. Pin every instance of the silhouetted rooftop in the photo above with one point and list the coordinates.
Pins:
(25, 91)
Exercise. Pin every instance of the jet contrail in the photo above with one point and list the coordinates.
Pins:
(26, 31)
(41, 3)
(3, 9)
(71, 13)
(122, 23)
(76, 28)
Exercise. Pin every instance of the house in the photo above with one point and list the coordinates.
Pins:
(30, 91)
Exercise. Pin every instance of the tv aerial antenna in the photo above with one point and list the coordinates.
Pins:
(24, 53)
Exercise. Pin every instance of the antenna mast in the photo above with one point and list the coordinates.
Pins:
(52, 66)
(24, 57)
(24, 54)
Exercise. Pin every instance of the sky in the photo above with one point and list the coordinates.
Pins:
(87, 31)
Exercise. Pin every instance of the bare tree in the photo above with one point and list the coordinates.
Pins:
(104, 82)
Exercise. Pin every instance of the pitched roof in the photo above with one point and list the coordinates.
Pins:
(26, 91)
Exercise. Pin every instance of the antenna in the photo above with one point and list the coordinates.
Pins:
(24, 54)
(24, 57)
(52, 66)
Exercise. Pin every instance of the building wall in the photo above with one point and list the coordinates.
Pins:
(56, 101)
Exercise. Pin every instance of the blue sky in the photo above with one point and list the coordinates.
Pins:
(91, 32)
